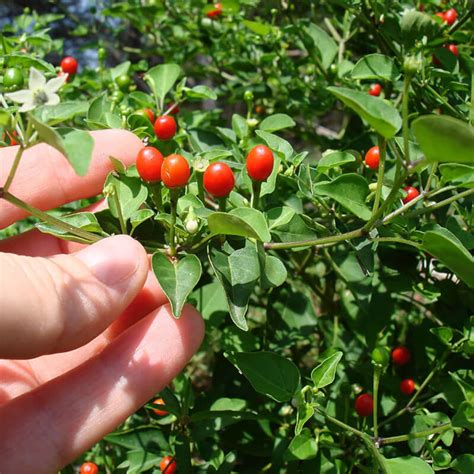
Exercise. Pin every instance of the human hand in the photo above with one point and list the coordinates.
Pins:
(86, 334)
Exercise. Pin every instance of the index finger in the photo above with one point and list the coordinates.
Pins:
(46, 180)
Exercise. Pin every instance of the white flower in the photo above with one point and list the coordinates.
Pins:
(39, 91)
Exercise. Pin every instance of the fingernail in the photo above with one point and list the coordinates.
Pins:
(113, 260)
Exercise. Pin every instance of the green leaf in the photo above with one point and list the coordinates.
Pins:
(466, 388)
(444, 334)
(274, 272)
(83, 220)
(268, 373)
(27, 61)
(381, 116)
(78, 146)
(303, 446)
(446, 247)
(139, 460)
(200, 92)
(259, 28)
(324, 44)
(222, 223)
(97, 109)
(241, 221)
(276, 122)
(131, 194)
(237, 273)
(240, 126)
(457, 174)
(120, 70)
(444, 138)
(177, 279)
(5, 117)
(300, 227)
(210, 300)
(268, 186)
(140, 216)
(145, 438)
(334, 159)
(235, 340)
(75, 145)
(162, 78)
(255, 219)
(279, 216)
(375, 66)
(408, 464)
(464, 464)
(325, 373)
(304, 413)
(54, 114)
(464, 416)
(277, 144)
(350, 190)
(414, 25)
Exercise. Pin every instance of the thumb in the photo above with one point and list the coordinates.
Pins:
(57, 304)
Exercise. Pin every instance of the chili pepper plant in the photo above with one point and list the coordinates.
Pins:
(321, 225)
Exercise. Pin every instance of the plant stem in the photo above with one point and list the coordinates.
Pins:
(18, 156)
(339, 423)
(383, 154)
(401, 209)
(397, 240)
(378, 458)
(434, 167)
(49, 219)
(405, 129)
(444, 101)
(398, 181)
(377, 373)
(440, 204)
(417, 434)
(13, 169)
(222, 203)
(174, 194)
(315, 242)
(256, 187)
(123, 225)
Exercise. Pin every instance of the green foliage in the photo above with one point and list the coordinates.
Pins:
(308, 280)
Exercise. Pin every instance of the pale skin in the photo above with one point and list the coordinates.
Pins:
(86, 336)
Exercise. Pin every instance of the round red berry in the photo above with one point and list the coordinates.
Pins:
(168, 465)
(407, 386)
(375, 90)
(175, 171)
(11, 137)
(450, 16)
(150, 114)
(364, 404)
(158, 411)
(69, 65)
(372, 158)
(165, 127)
(149, 163)
(216, 11)
(219, 179)
(453, 49)
(89, 468)
(412, 193)
(172, 109)
(260, 163)
(401, 355)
